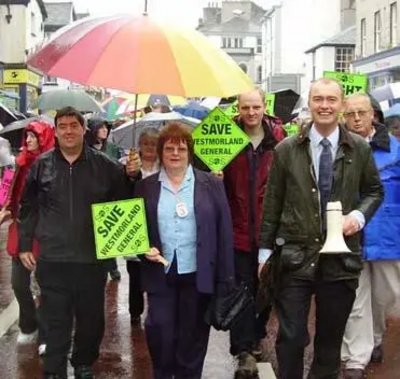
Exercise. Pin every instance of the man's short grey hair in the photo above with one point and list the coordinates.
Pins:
(358, 95)
(256, 89)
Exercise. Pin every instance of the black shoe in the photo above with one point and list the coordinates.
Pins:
(377, 354)
(247, 367)
(83, 372)
(53, 376)
(115, 274)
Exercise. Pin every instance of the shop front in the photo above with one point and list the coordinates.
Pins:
(23, 82)
(382, 68)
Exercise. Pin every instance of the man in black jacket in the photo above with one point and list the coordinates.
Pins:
(56, 210)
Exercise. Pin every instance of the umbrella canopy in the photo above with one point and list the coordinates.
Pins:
(285, 101)
(130, 105)
(21, 124)
(13, 132)
(138, 55)
(54, 100)
(111, 107)
(193, 109)
(388, 92)
(393, 111)
(6, 115)
(124, 137)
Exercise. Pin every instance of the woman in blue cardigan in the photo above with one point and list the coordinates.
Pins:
(190, 225)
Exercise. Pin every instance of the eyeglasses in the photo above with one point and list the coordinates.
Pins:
(358, 113)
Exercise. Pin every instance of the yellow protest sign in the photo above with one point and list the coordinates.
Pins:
(352, 83)
(233, 110)
(120, 228)
(217, 140)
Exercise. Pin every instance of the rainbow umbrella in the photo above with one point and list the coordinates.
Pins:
(139, 55)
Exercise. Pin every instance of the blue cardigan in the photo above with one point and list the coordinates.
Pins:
(215, 258)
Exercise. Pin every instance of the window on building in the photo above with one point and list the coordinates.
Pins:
(363, 36)
(33, 24)
(259, 45)
(393, 24)
(238, 42)
(50, 80)
(259, 74)
(377, 31)
(343, 57)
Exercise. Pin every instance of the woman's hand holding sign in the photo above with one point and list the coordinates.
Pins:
(155, 256)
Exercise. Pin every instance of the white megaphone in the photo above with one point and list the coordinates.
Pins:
(334, 243)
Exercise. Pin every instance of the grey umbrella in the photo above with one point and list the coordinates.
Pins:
(21, 124)
(54, 100)
(127, 135)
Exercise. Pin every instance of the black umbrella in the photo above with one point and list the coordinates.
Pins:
(285, 101)
(13, 132)
(6, 115)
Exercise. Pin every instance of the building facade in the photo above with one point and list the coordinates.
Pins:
(334, 54)
(292, 27)
(21, 29)
(377, 46)
(235, 27)
(59, 15)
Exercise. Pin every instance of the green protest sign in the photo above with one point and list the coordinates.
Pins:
(270, 104)
(217, 140)
(291, 129)
(120, 228)
(352, 83)
(232, 110)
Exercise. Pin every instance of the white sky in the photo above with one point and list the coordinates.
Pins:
(184, 12)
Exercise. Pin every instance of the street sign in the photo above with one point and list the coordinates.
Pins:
(120, 228)
(352, 83)
(217, 140)
(232, 110)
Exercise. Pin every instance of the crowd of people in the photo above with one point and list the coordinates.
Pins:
(260, 223)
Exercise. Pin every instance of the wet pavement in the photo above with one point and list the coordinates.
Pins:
(124, 354)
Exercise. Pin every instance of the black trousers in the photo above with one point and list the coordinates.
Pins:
(136, 298)
(251, 328)
(334, 301)
(71, 291)
(21, 282)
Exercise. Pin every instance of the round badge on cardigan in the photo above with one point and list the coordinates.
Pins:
(181, 210)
